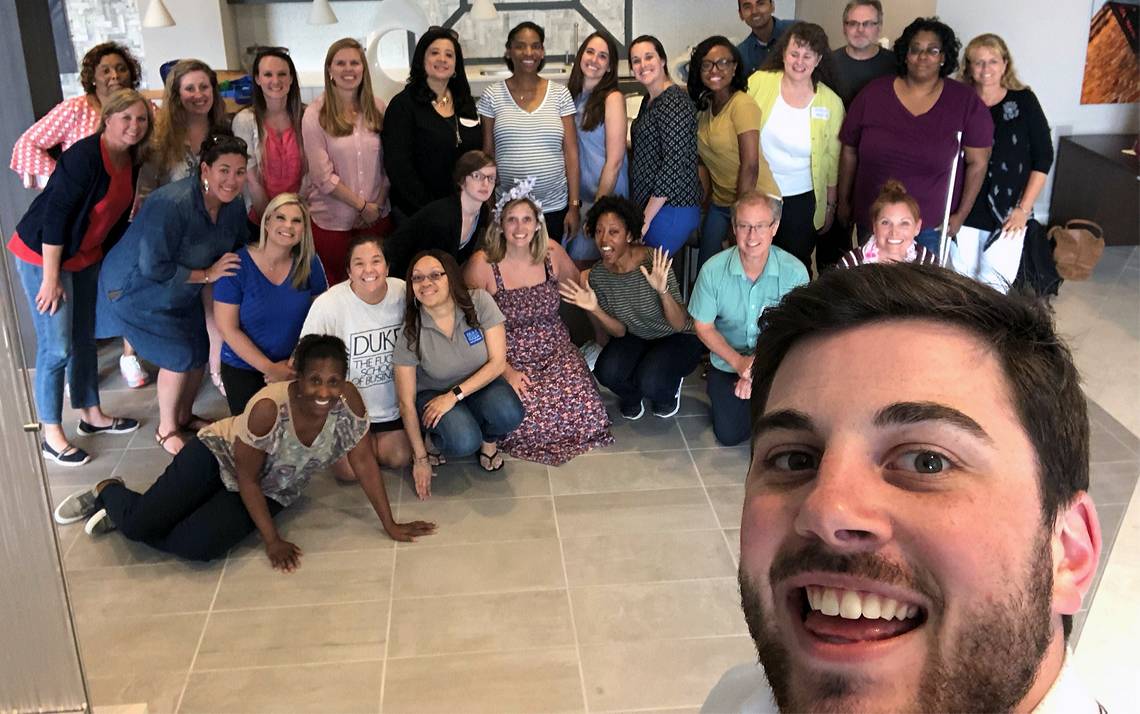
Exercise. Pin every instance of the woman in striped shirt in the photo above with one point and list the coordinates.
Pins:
(896, 221)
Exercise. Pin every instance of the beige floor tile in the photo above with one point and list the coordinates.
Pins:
(698, 432)
(294, 635)
(646, 557)
(728, 502)
(315, 528)
(624, 472)
(325, 490)
(480, 623)
(467, 480)
(344, 688)
(481, 520)
(653, 611)
(722, 466)
(322, 578)
(158, 690)
(648, 433)
(122, 647)
(138, 590)
(533, 681)
(110, 550)
(732, 535)
(634, 511)
(659, 674)
(478, 568)
(102, 465)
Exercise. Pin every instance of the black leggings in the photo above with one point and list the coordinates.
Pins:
(241, 385)
(797, 227)
(188, 511)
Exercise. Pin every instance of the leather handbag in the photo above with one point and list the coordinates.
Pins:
(1077, 247)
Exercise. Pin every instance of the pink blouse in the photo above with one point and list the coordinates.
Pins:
(68, 122)
(355, 160)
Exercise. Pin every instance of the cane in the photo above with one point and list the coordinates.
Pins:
(943, 239)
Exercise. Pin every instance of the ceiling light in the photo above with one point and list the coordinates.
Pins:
(157, 15)
(322, 13)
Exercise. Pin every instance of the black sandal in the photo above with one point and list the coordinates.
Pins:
(487, 462)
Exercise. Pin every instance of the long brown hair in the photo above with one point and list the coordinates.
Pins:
(804, 34)
(331, 118)
(595, 112)
(495, 242)
(293, 105)
(169, 143)
(455, 287)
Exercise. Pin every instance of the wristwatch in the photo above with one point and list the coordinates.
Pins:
(458, 393)
(576, 203)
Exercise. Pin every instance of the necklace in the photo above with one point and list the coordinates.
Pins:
(442, 100)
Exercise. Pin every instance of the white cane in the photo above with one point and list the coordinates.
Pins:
(943, 239)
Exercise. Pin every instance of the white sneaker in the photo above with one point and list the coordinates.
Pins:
(98, 523)
(133, 371)
(590, 352)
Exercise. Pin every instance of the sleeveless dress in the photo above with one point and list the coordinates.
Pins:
(565, 415)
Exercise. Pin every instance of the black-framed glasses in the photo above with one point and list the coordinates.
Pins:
(722, 64)
(481, 177)
(865, 24)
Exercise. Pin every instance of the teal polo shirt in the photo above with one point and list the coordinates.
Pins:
(726, 297)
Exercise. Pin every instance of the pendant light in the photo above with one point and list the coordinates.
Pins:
(484, 10)
(322, 13)
(157, 15)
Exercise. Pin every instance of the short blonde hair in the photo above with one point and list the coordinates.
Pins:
(302, 252)
(495, 243)
(994, 42)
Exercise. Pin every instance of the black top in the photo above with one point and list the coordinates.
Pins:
(436, 225)
(664, 161)
(1021, 144)
(851, 75)
(421, 148)
(61, 213)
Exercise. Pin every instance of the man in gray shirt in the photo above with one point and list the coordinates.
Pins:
(861, 59)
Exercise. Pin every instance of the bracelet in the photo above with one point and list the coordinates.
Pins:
(205, 277)
(418, 459)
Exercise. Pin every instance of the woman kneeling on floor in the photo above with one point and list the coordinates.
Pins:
(240, 472)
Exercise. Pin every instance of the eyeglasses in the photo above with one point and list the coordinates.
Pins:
(435, 276)
(722, 64)
(755, 227)
(934, 51)
(866, 24)
(481, 177)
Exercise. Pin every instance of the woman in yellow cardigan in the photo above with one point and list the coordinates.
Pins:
(799, 134)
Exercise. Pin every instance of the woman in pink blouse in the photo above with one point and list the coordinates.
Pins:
(106, 68)
(341, 131)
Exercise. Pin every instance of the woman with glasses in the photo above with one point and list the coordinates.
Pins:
(449, 358)
(528, 126)
(603, 168)
(906, 128)
(272, 130)
(454, 224)
(151, 282)
(728, 138)
(430, 124)
(799, 134)
(341, 129)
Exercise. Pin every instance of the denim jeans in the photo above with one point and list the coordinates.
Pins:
(65, 341)
(486, 415)
(717, 225)
(731, 418)
(672, 226)
(634, 369)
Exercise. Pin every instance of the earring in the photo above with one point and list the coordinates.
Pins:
(205, 185)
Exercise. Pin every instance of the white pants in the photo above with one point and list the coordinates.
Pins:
(996, 267)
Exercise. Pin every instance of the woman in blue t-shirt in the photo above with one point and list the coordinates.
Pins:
(260, 309)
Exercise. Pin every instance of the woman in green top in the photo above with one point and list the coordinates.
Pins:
(240, 472)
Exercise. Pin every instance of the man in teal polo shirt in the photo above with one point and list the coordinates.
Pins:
(733, 289)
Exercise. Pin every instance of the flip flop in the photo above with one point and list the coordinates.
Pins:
(490, 462)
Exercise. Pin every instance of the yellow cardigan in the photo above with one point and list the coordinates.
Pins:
(826, 118)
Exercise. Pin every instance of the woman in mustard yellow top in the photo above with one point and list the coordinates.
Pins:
(799, 134)
(728, 138)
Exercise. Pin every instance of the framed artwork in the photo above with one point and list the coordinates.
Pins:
(1112, 72)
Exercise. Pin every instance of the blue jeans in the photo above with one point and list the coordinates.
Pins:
(672, 226)
(731, 416)
(486, 415)
(717, 225)
(634, 368)
(928, 238)
(65, 341)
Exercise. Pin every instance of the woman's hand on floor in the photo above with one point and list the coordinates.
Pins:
(407, 532)
(283, 555)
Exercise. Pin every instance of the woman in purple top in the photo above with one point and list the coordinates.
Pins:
(905, 128)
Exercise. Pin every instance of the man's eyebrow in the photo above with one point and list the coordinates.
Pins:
(789, 419)
(918, 412)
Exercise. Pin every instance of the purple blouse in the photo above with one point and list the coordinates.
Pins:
(916, 150)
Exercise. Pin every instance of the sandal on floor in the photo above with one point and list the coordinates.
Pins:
(194, 423)
(435, 457)
(161, 439)
(490, 462)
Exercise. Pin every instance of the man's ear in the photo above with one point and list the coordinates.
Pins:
(1076, 553)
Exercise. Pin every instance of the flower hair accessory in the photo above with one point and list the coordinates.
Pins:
(524, 188)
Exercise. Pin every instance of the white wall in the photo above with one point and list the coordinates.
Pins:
(200, 31)
(680, 24)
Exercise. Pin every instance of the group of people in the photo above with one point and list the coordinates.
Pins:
(422, 251)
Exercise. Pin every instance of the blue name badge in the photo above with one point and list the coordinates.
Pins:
(473, 336)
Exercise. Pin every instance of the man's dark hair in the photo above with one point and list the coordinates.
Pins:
(951, 47)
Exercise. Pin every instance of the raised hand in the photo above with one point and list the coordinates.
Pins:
(658, 278)
(575, 294)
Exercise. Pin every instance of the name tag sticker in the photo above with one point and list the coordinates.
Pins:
(820, 113)
(473, 336)
(469, 123)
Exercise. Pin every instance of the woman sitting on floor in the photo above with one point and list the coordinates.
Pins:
(521, 267)
(896, 221)
(240, 472)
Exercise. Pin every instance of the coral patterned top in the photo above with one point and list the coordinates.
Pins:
(71, 120)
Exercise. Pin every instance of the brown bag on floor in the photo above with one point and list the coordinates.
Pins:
(1077, 248)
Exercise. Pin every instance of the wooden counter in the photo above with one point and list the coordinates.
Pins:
(1098, 182)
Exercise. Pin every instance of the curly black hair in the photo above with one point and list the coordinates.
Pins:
(96, 54)
(951, 46)
(626, 211)
(698, 92)
(315, 347)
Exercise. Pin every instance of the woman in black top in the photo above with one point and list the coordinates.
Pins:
(454, 224)
(1021, 158)
(429, 124)
(663, 171)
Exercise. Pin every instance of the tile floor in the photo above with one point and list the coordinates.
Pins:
(603, 585)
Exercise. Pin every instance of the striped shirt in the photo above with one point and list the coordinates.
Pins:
(859, 256)
(628, 298)
(530, 143)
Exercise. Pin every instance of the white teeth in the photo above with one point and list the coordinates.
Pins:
(852, 605)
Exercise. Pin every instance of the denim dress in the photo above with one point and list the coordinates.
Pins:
(143, 293)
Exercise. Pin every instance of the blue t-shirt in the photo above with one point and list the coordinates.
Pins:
(270, 315)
